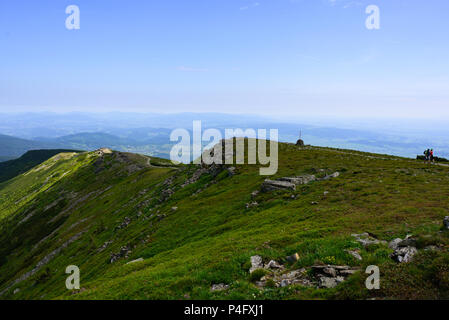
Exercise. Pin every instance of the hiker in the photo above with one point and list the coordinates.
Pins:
(426, 155)
(431, 158)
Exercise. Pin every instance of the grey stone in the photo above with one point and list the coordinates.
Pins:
(355, 254)
(366, 240)
(394, 243)
(271, 185)
(331, 176)
(256, 263)
(284, 283)
(134, 261)
(330, 271)
(404, 254)
(293, 258)
(219, 287)
(305, 179)
(328, 282)
(273, 265)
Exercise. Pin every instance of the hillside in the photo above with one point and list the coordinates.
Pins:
(10, 169)
(194, 232)
(12, 147)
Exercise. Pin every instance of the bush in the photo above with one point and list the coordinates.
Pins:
(256, 275)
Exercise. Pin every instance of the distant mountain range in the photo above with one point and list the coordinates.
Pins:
(149, 134)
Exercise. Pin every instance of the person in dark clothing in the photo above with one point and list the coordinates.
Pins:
(426, 155)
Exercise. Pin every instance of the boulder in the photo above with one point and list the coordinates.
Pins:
(327, 282)
(256, 263)
(305, 179)
(404, 254)
(293, 258)
(273, 265)
(271, 185)
(394, 243)
(355, 254)
(408, 242)
(330, 271)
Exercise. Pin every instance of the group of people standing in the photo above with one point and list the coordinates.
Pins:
(428, 155)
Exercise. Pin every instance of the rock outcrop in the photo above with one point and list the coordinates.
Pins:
(256, 263)
(329, 276)
(365, 239)
(404, 250)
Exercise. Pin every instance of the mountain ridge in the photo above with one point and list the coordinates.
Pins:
(191, 227)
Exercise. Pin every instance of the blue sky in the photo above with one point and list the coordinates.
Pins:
(284, 57)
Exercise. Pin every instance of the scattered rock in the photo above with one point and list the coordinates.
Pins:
(256, 263)
(273, 265)
(329, 276)
(104, 245)
(408, 242)
(293, 258)
(305, 179)
(404, 254)
(134, 261)
(286, 279)
(284, 283)
(219, 287)
(165, 194)
(331, 176)
(366, 239)
(254, 193)
(355, 254)
(174, 208)
(327, 282)
(252, 204)
(286, 183)
(330, 271)
(271, 185)
(16, 291)
(124, 252)
(394, 243)
(124, 224)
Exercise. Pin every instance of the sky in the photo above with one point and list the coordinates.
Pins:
(290, 58)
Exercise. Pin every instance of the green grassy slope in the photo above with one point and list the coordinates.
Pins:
(12, 168)
(78, 209)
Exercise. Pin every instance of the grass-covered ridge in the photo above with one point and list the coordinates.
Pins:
(194, 230)
(10, 169)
